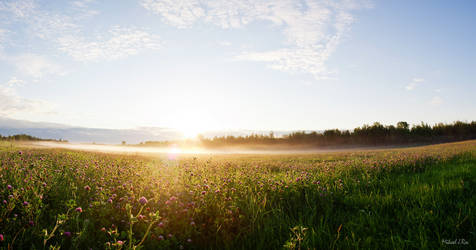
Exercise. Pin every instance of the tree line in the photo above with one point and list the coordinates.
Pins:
(25, 137)
(370, 135)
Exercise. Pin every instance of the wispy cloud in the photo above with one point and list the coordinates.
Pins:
(414, 83)
(181, 13)
(14, 82)
(13, 105)
(20, 9)
(292, 60)
(67, 35)
(83, 7)
(81, 3)
(118, 43)
(39, 23)
(313, 28)
(35, 66)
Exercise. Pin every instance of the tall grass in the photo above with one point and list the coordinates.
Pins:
(419, 198)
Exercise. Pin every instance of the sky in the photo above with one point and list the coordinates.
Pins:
(199, 65)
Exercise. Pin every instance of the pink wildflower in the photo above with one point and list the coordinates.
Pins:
(143, 200)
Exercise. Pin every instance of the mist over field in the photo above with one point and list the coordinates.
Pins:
(173, 150)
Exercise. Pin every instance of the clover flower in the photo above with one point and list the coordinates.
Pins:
(143, 200)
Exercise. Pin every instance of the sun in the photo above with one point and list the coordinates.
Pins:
(190, 133)
(191, 130)
(191, 122)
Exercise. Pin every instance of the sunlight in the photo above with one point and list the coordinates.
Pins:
(174, 150)
(192, 121)
(190, 132)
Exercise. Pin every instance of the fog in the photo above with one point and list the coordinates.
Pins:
(177, 150)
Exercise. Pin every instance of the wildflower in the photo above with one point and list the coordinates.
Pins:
(25, 203)
(1, 237)
(109, 200)
(161, 237)
(20, 152)
(87, 188)
(4, 202)
(173, 198)
(161, 224)
(9, 187)
(120, 242)
(79, 210)
(31, 223)
(103, 229)
(44, 184)
(143, 200)
(189, 240)
(204, 192)
(170, 235)
(67, 234)
(192, 223)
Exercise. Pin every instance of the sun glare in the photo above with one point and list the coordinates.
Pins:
(194, 124)
(190, 133)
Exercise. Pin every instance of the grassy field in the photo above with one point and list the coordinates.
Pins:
(415, 198)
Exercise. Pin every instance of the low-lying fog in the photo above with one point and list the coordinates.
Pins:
(180, 150)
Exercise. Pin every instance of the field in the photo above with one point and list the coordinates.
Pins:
(414, 198)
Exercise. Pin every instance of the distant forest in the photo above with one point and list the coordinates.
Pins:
(367, 135)
(25, 137)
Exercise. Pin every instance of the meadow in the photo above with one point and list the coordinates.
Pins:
(412, 198)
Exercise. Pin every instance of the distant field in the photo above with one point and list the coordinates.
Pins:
(412, 198)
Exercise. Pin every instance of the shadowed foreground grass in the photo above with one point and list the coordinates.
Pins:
(416, 198)
(397, 210)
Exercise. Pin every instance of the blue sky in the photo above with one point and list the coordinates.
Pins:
(198, 65)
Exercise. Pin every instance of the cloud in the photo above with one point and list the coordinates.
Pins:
(179, 13)
(414, 83)
(14, 82)
(292, 60)
(313, 28)
(83, 8)
(20, 9)
(35, 66)
(119, 43)
(436, 100)
(13, 105)
(81, 3)
(66, 34)
(42, 24)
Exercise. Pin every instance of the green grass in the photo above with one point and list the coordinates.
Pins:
(393, 199)
(399, 210)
